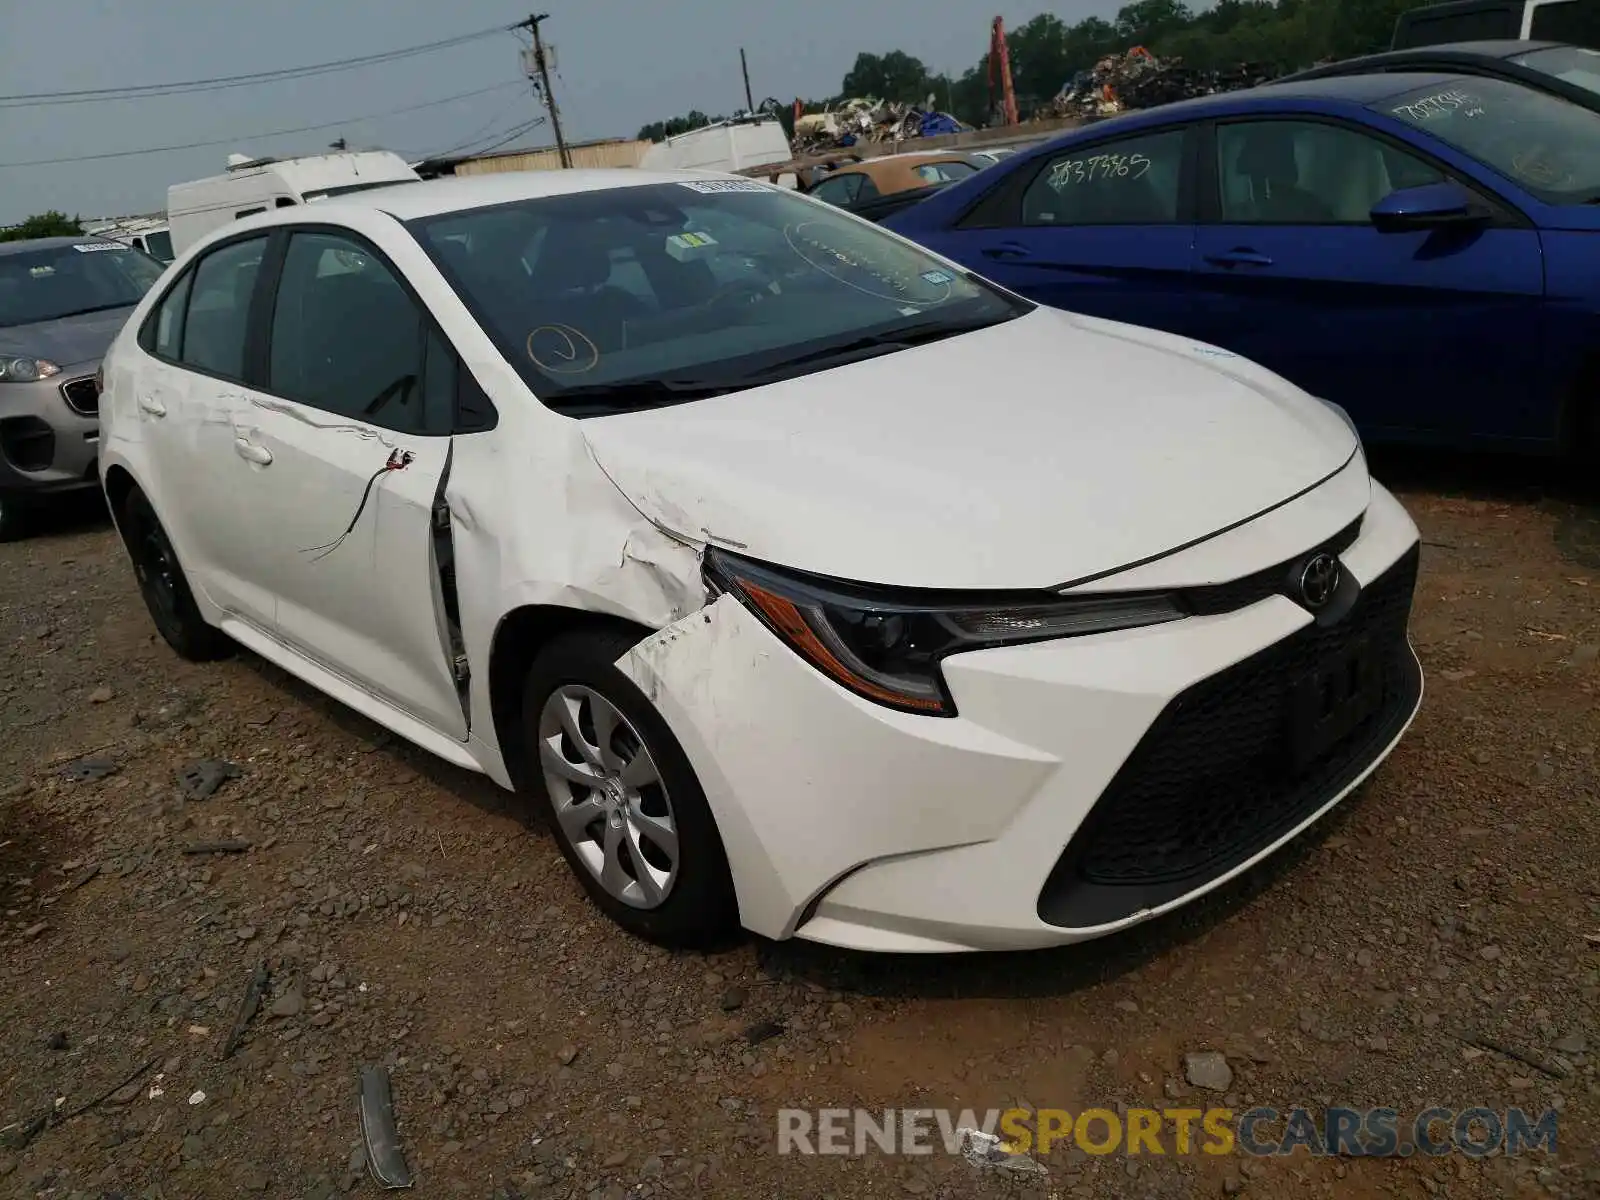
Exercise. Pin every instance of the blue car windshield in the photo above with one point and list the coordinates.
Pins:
(1545, 145)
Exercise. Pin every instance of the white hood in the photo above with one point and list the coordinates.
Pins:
(1038, 452)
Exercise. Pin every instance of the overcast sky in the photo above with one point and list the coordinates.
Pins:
(622, 63)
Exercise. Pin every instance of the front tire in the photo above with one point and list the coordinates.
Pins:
(620, 796)
(163, 585)
(14, 519)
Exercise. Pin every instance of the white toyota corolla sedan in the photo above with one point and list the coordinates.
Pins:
(699, 512)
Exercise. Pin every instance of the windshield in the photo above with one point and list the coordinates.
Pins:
(1573, 64)
(159, 244)
(1540, 142)
(684, 288)
(64, 280)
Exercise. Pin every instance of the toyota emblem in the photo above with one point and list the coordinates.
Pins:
(1319, 581)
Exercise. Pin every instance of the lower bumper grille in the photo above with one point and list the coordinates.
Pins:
(82, 396)
(1221, 773)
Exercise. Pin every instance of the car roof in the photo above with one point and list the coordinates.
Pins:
(1487, 48)
(1493, 49)
(51, 243)
(409, 201)
(1335, 90)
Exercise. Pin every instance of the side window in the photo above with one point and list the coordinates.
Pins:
(283, 202)
(868, 190)
(218, 314)
(946, 172)
(1574, 21)
(1137, 181)
(1307, 173)
(166, 323)
(841, 189)
(347, 338)
(249, 212)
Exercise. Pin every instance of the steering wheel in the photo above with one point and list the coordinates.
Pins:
(737, 298)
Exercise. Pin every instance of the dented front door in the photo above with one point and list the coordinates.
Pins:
(352, 557)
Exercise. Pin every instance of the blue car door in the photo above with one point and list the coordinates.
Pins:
(1105, 228)
(1425, 334)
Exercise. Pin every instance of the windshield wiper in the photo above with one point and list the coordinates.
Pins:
(629, 395)
(639, 393)
(93, 308)
(872, 345)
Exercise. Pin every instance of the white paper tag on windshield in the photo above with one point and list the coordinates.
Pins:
(710, 187)
(91, 247)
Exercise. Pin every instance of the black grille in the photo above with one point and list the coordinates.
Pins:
(1273, 581)
(82, 396)
(1216, 778)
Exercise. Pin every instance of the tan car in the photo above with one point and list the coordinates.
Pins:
(852, 186)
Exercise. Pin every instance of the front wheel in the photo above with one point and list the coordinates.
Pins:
(13, 519)
(162, 584)
(621, 798)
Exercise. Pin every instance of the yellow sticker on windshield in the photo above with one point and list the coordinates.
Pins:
(694, 244)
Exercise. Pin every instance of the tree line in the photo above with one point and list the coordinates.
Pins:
(1281, 35)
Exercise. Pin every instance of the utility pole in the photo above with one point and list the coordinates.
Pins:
(542, 66)
(749, 101)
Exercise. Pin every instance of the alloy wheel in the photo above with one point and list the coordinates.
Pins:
(608, 796)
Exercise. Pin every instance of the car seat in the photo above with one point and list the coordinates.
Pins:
(1268, 161)
(571, 283)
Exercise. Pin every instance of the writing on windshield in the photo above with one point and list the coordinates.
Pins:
(1548, 146)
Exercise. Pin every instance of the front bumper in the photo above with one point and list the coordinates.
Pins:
(50, 433)
(1088, 784)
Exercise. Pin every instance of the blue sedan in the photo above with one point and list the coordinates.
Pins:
(1421, 249)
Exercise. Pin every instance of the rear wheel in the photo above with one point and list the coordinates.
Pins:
(163, 585)
(620, 796)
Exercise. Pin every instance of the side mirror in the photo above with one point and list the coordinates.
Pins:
(1431, 206)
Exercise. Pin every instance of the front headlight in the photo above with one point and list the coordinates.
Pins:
(22, 369)
(886, 646)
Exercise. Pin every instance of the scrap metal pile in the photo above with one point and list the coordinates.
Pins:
(862, 122)
(1138, 79)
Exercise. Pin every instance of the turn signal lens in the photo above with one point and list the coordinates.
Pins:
(887, 646)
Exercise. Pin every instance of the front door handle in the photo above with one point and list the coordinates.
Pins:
(251, 452)
(1239, 257)
(152, 406)
(1007, 250)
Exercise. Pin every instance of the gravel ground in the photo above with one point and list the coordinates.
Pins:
(407, 915)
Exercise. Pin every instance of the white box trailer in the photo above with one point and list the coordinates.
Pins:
(253, 185)
(726, 146)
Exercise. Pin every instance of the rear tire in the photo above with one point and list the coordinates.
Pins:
(620, 796)
(164, 587)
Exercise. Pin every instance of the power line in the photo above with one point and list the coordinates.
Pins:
(482, 134)
(510, 135)
(247, 137)
(179, 87)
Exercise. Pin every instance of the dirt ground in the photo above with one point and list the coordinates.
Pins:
(408, 916)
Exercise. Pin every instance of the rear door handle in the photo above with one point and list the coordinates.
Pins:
(152, 406)
(1007, 250)
(251, 452)
(1239, 258)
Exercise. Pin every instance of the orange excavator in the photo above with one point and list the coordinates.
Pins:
(1000, 66)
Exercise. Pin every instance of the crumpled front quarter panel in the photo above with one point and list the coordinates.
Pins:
(535, 521)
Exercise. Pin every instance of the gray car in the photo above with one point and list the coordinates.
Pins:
(62, 301)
